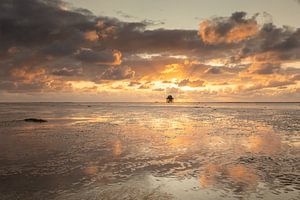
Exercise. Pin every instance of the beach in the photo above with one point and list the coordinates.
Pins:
(150, 151)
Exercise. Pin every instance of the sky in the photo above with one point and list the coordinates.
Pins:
(138, 50)
(187, 14)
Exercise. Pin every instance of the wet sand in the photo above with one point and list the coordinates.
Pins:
(150, 151)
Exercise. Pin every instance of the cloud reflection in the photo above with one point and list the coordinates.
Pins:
(117, 148)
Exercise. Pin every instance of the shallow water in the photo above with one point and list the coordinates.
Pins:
(150, 151)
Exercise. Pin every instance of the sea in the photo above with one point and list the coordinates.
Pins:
(150, 151)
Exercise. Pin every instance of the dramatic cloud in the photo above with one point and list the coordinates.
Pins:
(49, 47)
(67, 72)
(273, 44)
(102, 57)
(228, 30)
(118, 73)
(91, 36)
(213, 70)
(264, 68)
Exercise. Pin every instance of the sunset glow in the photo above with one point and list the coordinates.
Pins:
(238, 57)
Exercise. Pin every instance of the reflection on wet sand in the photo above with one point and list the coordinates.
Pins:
(266, 144)
(117, 148)
(209, 175)
(238, 174)
(181, 142)
(90, 170)
(159, 152)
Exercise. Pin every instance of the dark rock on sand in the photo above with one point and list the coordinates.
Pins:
(35, 120)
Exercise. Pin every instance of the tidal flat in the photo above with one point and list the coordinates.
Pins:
(150, 151)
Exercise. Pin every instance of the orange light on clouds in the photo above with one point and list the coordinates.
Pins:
(210, 34)
(91, 36)
(82, 84)
(118, 57)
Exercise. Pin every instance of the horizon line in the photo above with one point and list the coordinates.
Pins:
(150, 102)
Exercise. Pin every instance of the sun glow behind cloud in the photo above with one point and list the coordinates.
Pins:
(237, 58)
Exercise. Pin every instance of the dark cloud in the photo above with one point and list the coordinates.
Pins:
(42, 34)
(264, 68)
(45, 44)
(118, 73)
(283, 42)
(280, 39)
(133, 38)
(213, 70)
(61, 48)
(91, 56)
(21, 88)
(67, 72)
(34, 23)
(250, 37)
(232, 29)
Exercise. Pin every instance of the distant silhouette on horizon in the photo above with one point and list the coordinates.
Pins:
(170, 99)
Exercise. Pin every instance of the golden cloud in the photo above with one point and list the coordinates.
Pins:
(91, 36)
(228, 30)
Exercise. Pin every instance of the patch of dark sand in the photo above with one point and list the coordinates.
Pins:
(35, 120)
(281, 171)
